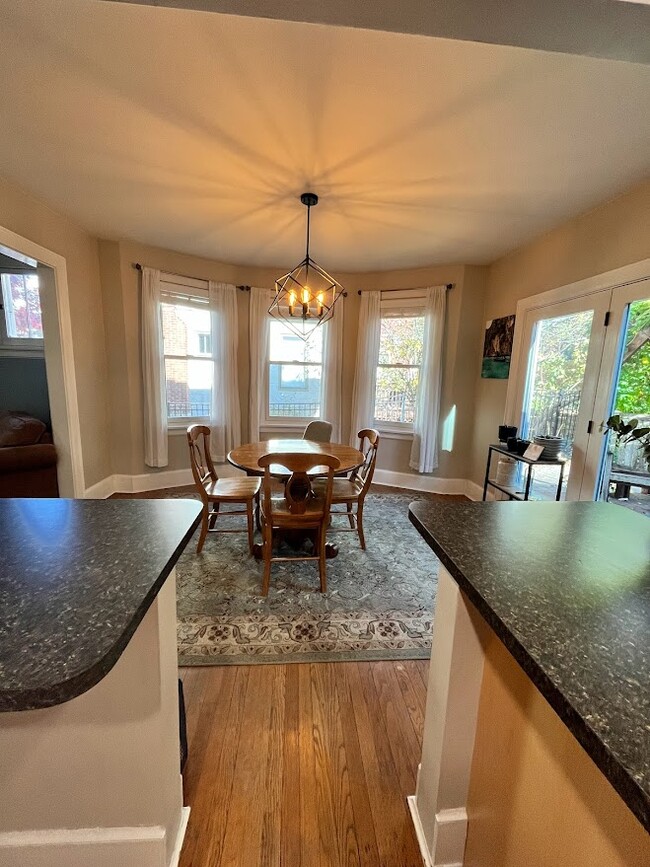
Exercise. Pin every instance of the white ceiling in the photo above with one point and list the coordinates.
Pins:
(197, 132)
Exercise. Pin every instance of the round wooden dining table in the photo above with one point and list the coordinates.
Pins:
(246, 457)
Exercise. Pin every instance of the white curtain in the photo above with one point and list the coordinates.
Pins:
(365, 377)
(424, 453)
(153, 371)
(225, 416)
(260, 301)
(332, 366)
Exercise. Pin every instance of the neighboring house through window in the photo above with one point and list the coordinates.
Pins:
(187, 341)
(295, 373)
(21, 327)
(400, 358)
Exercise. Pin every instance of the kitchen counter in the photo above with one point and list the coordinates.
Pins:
(566, 587)
(89, 710)
(76, 579)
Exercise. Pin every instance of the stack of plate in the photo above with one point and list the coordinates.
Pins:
(552, 447)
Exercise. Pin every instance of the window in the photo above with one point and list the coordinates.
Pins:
(294, 373)
(187, 341)
(21, 325)
(398, 371)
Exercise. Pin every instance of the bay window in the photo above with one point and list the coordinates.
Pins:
(398, 368)
(187, 340)
(294, 374)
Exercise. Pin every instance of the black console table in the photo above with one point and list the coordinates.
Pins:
(512, 493)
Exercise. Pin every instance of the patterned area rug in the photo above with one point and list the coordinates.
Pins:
(379, 603)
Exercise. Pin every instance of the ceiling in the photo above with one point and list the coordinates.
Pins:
(197, 132)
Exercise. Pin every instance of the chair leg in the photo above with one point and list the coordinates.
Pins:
(214, 514)
(322, 563)
(350, 515)
(204, 528)
(258, 520)
(268, 552)
(362, 538)
(249, 521)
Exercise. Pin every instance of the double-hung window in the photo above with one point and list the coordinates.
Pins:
(21, 326)
(400, 360)
(294, 374)
(187, 338)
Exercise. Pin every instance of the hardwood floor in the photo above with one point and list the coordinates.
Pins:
(303, 765)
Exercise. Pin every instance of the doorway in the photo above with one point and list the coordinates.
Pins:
(577, 360)
(51, 272)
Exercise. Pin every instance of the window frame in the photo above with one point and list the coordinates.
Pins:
(25, 347)
(290, 422)
(399, 304)
(192, 293)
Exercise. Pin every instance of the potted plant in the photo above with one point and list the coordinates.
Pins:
(630, 432)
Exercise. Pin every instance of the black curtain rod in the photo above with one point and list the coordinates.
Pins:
(242, 288)
(412, 289)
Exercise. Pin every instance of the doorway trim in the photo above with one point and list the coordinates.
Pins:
(72, 478)
(608, 280)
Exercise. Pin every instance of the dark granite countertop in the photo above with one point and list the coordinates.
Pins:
(566, 587)
(76, 579)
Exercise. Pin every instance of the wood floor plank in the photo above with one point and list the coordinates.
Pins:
(242, 842)
(291, 808)
(403, 741)
(333, 781)
(413, 694)
(365, 828)
(395, 836)
(212, 750)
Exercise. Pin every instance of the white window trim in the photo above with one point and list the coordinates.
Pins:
(176, 288)
(397, 304)
(289, 423)
(16, 347)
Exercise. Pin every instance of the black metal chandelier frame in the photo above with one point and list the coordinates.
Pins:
(302, 308)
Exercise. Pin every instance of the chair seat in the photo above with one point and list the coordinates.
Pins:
(234, 490)
(343, 490)
(280, 513)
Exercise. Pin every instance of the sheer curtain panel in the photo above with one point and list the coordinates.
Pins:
(332, 367)
(260, 300)
(365, 376)
(225, 416)
(424, 452)
(153, 371)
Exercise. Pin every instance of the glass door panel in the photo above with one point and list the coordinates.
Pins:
(624, 477)
(561, 349)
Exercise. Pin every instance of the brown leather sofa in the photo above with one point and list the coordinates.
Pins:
(27, 457)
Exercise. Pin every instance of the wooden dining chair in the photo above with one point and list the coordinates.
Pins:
(215, 491)
(352, 491)
(299, 507)
(318, 431)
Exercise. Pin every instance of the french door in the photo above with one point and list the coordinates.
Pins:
(570, 360)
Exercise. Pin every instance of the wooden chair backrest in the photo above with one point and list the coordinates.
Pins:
(368, 445)
(318, 432)
(298, 489)
(198, 440)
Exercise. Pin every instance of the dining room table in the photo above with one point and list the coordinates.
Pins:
(246, 457)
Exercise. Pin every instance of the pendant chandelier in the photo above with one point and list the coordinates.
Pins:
(305, 297)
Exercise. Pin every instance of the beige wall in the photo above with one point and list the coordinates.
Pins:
(535, 796)
(120, 283)
(614, 234)
(33, 220)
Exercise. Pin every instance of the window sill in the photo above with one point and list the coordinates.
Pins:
(395, 433)
(181, 428)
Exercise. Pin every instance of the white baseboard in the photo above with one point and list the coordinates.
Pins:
(416, 482)
(124, 484)
(178, 845)
(81, 847)
(473, 491)
(448, 846)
